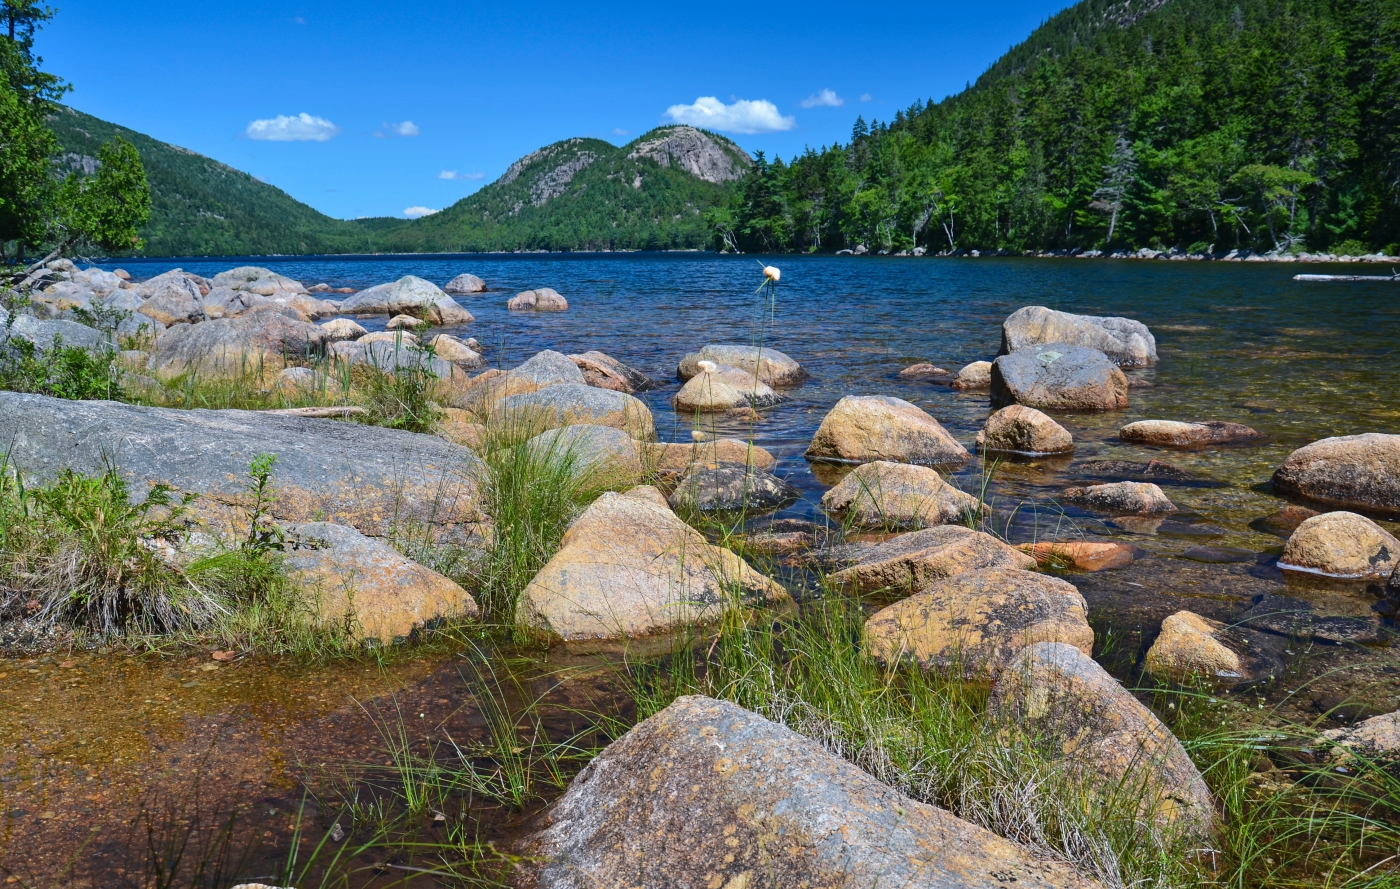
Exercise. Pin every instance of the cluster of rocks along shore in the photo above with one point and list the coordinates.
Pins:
(960, 600)
(1175, 253)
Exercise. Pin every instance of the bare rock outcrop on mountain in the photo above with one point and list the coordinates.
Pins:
(696, 152)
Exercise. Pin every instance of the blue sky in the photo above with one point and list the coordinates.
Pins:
(367, 109)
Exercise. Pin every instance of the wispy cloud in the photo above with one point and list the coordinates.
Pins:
(453, 174)
(302, 128)
(405, 128)
(743, 116)
(827, 98)
(619, 131)
(865, 97)
(418, 212)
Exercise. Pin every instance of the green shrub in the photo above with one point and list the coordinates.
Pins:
(63, 371)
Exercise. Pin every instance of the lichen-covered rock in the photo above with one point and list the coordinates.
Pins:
(971, 624)
(1341, 544)
(265, 341)
(465, 283)
(977, 375)
(1059, 377)
(1192, 647)
(1084, 555)
(629, 568)
(1017, 429)
(1349, 471)
(884, 494)
(864, 428)
(408, 295)
(909, 562)
(1057, 693)
(359, 582)
(772, 367)
(732, 488)
(1126, 342)
(705, 794)
(1143, 498)
(607, 372)
(541, 299)
(366, 477)
(568, 404)
(718, 387)
(1174, 434)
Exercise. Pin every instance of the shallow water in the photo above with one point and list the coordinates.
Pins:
(1241, 343)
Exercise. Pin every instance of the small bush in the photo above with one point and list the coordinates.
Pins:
(1350, 247)
(62, 372)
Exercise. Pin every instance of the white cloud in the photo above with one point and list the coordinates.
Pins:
(406, 128)
(744, 116)
(826, 98)
(619, 131)
(453, 174)
(865, 97)
(417, 212)
(302, 128)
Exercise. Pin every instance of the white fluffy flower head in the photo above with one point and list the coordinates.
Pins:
(771, 273)
(708, 367)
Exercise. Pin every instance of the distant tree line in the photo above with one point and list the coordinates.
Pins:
(1199, 124)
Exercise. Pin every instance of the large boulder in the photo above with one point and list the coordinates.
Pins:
(1017, 429)
(628, 567)
(718, 387)
(367, 477)
(1126, 342)
(569, 403)
(451, 348)
(1142, 498)
(772, 367)
(258, 280)
(1350, 471)
(731, 488)
(600, 456)
(705, 794)
(863, 428)
(606, 372)
(175, 281)
(103, 283)
(1343, 545)
(909, 562)
(541, 299)
(173, 305)
(1059, 377)
(465, 283)
(392, 357)
(970, 625)
(1191, 647)
(44, 334)
(1174, 434)
(66, 295)
(546, 368)
(265, 341)
(884, 494)
(408, 296)
(1058, 694)
(356, 581)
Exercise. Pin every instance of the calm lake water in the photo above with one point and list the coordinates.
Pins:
(88, 743)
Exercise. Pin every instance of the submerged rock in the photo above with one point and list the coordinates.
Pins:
(627, 567)
(1061, 377)
(1125, 497)
(408, 295)
(1017, 429)
(1154, 470)
(1377, 738)
(1084, 555)
(1343, 545)
(567, 404)
(367, 585)
(1126, 342)
(1172, 434)
(1350, 471)
(1059, 694)
(922, 372)
(772, 367)
(863, 428)
(1284, 522)
(977, 375)
(542, 299)
(1294, 618)
(898, 495)
(907, 563)
(465, 283)
(735, 800)
(607, 372)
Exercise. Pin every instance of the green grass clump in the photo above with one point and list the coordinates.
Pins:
(62, 371)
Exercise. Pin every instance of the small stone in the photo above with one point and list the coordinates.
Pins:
(922, 372)
(1124, 497)
(1189, 646)
(977, 375)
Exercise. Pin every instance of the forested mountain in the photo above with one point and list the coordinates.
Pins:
(1268, 124)
(587, 194)
(202, 207)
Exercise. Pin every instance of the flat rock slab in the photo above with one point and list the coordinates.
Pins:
(1059, 376)
(864, 428)
(909, 562)
(1126, 342)
(708, 794)
(363, 476)
(1082, 555)
(1349, 472)
(1174, 434)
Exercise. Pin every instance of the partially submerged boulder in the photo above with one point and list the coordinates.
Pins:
(607, 372)
(977, 375)
(628, 568)
(1126, 342)
(884, 494)
(1059, 377)
(863, 428)
(1191, 647)
(465, 283)
(970, 625)
(705, 794)
(541, 299)
(364, 584)
(1174, 434)
(1341, 545)
(684, 458)
(408, 295)
(1017, 429)
(570, 403)
(909, 562)
(1349, 471)
(922, 371)
(1083, 555)
(772, 367)
(719, 387)
(1138, 498)
(250, 344)
(366, 477)
(1058, 694)
(732, 488)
